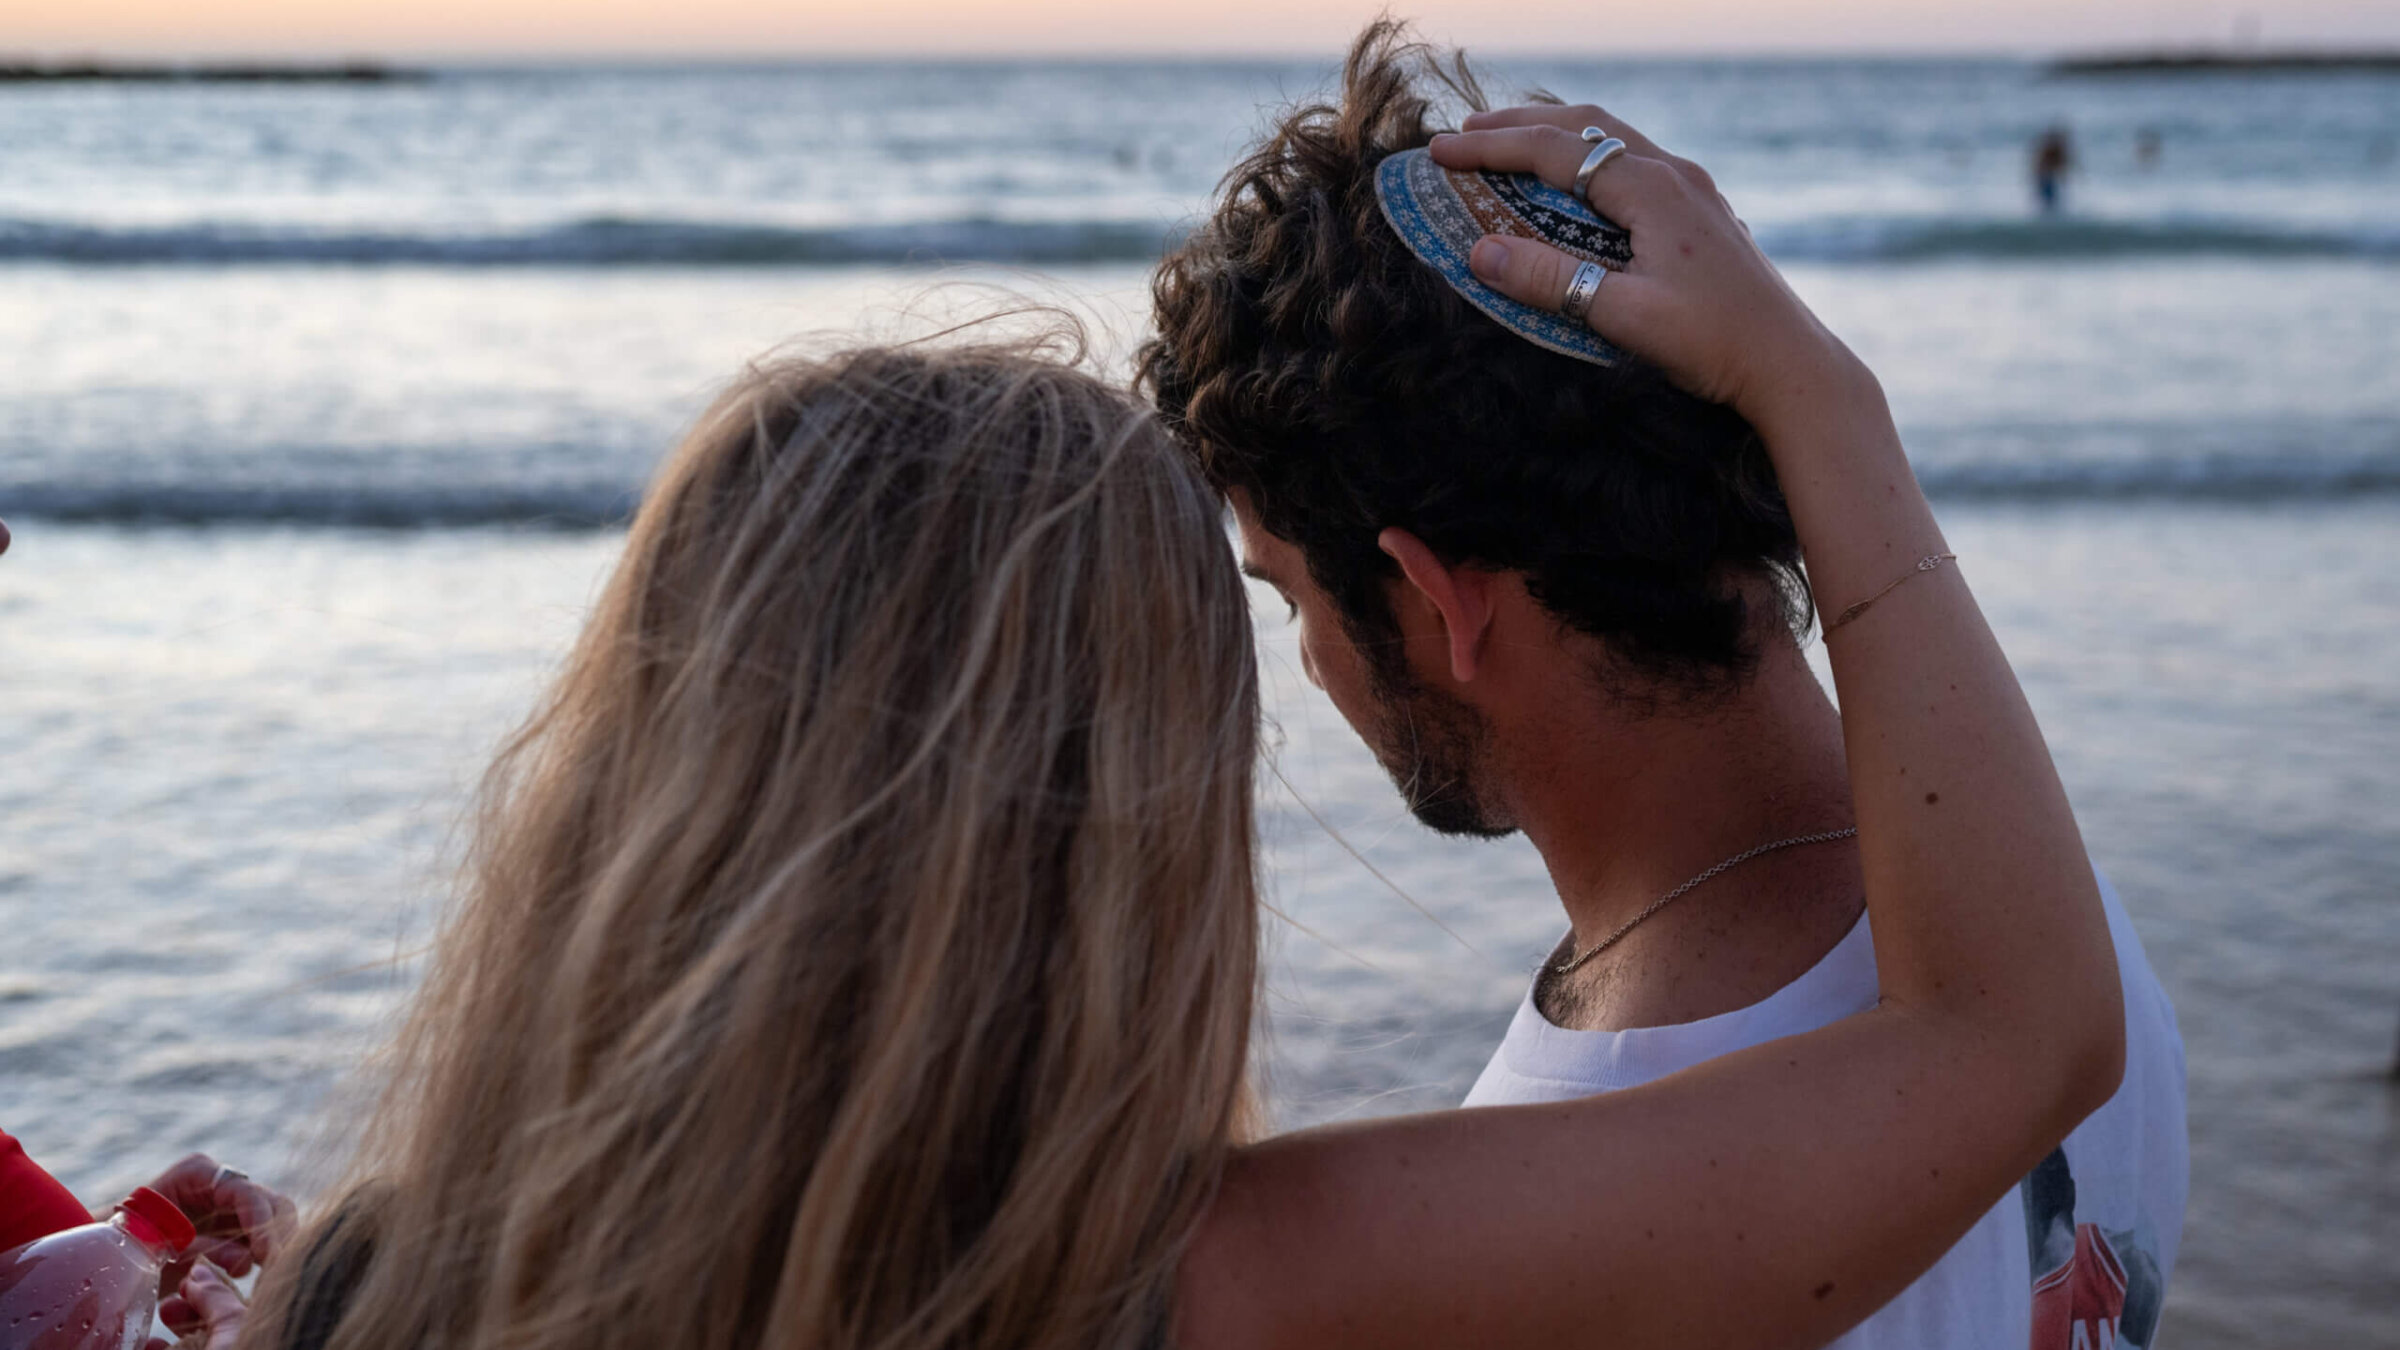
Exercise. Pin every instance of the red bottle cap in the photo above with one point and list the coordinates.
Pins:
(156, 1219)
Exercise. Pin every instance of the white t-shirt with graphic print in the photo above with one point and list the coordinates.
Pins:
(2077, 1256)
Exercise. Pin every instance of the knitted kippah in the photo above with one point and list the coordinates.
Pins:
(1440, 213)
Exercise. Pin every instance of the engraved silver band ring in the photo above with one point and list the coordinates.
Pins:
(1584, 285)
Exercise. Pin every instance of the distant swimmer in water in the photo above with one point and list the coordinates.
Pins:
(2146, 146)
(2053, 158)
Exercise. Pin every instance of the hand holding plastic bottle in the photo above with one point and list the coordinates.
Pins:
(207, 1314)
(96, 1287)
(239, 1222)
(93, 1287)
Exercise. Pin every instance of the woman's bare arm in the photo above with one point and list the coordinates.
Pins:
(1777, 1196)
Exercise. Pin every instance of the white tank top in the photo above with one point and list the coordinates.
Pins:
(2113, 1198)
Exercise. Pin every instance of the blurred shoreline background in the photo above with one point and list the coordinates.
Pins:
(321, 403)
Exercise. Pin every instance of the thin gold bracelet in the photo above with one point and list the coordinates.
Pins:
(1925, 564)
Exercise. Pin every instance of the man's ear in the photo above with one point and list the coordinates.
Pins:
(1462, 596)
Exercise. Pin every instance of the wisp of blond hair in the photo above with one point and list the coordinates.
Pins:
(859, 944)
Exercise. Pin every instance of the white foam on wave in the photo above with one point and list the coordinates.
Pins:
(601, 241)
(349, 506)
(1859, 240)
(2236, 478)
(614, 241)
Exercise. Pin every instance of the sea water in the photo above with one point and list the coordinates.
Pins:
(321, 405)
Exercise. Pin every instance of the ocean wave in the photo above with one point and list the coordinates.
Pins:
(2064, 238)
(2228, 478)
(611, 241)
(341, 506)
(597, 242)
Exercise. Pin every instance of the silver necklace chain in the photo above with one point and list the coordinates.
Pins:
(1825, 837)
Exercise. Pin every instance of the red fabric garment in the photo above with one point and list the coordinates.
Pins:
(2079, 1305)
(32, 1203)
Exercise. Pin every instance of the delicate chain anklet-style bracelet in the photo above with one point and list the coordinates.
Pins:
(1925, 564)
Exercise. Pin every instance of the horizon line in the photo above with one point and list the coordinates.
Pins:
(437, 58)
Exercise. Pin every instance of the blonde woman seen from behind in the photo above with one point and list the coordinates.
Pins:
(861, 944)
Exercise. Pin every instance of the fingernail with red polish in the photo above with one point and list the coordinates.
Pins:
(1489, 257)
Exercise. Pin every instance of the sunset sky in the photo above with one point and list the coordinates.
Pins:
(502, 28)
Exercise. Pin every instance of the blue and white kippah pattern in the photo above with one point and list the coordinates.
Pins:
(1440, 214)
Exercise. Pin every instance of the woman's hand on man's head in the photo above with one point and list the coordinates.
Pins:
(1699, 299)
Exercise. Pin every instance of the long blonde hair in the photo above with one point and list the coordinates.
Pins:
(860, 942)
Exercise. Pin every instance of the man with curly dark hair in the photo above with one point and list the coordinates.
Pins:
(1561, 595)
(1402, 466)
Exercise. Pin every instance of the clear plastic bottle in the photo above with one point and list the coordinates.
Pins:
(94, 1287)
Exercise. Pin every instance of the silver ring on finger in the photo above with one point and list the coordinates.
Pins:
(1581, 287)
(225, 1174)
(1604, 149)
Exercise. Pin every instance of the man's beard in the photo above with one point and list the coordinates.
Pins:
(1430, 742)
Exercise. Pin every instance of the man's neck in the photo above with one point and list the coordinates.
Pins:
(1624, 809)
